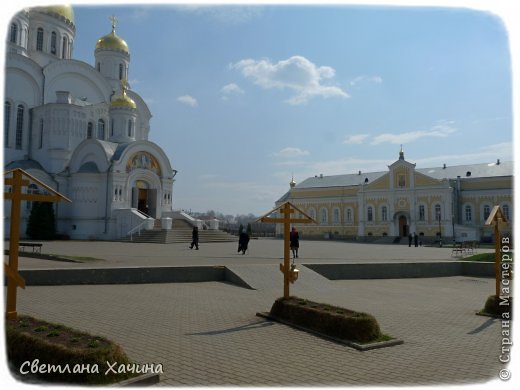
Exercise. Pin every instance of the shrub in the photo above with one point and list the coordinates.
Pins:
(28, 340)
(493, 306)
(329, 320)
(41, 223)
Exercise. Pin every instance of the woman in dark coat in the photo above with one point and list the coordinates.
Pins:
(294, 238)
(195, 238)
(243, 240)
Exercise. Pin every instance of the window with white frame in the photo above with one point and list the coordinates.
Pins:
(13, 34)
(487, 211)
(505, 210)
(323, 216)
(312, 213)
(468, 213)
(39, 39)
(370, 214)
(101, 129)
(19, 126)
(53, 43)
(348, 216)
(384, 214)
(7, 123)
(422, 213)
(437, 212)
(335, 216)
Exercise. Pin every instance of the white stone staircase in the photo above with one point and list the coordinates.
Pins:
(180, 233)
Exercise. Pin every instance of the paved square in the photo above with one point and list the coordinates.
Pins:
(208, 334)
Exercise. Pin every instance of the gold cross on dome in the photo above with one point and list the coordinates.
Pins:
(114, 22)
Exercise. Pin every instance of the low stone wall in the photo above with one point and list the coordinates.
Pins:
(403, 270)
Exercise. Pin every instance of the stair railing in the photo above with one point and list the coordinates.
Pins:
(137, 229)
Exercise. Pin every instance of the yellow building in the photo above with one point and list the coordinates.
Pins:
(450, 201)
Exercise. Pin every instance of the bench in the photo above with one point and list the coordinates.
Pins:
(36, 247)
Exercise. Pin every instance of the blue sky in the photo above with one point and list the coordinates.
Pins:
(243, 97)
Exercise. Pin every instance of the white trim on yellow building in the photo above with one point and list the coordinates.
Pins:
(404, 200)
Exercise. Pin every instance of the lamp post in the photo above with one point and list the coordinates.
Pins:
(440, 231)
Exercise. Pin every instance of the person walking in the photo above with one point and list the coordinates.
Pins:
(243, 240)
(294, 239)
(410, 240)
(416, 239)
(195, 238)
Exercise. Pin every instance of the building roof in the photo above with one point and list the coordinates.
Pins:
(448, 172)
(24, 164)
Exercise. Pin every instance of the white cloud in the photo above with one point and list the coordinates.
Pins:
(366, 79)
(355, 139)
(189, 100)
(231, 89)
(296, 73)
(440, 130)
(291, 152)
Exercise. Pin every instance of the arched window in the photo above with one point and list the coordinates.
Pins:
(505, 210)
(384, 213)
(120, 71)
(422, 213)
(370, 214)
(129, 127)
(31, 189)
(89, 130)
(64, 45)
(487, 211)
(40, 142)
(39, 39)
(335, 216)
(13, 34)
(101, 129)
(7, 123)
(437, 212)
(98, 67)
(53, 43)
(312, 213)
(19, 127)
(468, 213)
(349, 215)
(324, 216)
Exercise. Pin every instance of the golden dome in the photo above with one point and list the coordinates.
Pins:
(123, 100)
(64, 11)
(112, 42)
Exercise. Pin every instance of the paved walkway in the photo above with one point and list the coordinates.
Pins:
(262, 251)
(208, 334)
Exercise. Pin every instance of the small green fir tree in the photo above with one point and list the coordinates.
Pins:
(41, 224)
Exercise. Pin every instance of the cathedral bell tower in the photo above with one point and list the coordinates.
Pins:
(112, 57)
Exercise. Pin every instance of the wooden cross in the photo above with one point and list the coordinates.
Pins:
(286, 210)
(16, 179)
(497, 217)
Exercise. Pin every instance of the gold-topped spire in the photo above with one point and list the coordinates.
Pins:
(401, 153)
(123, 100)
(112, 41)
(292, 183)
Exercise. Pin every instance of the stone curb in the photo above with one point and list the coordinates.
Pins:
(141, 380)
(352, 344)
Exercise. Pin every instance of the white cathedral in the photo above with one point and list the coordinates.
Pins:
(81, 129)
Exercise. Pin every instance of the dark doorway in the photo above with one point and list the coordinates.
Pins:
(403, 226)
